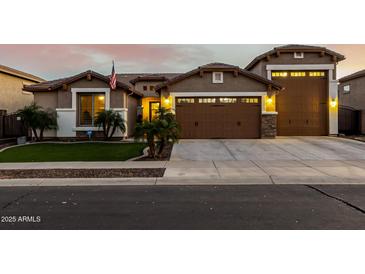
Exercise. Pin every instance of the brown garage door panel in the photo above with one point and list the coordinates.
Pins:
(302, 107)
(219, 120)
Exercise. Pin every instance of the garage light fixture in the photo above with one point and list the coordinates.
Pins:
(269, 100)
(333, 103)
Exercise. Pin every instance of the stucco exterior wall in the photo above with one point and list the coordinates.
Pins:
(139, 87)
(12, 97)
(132, 115)
(231, 83)
(356, 97)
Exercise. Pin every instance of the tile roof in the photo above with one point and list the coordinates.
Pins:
(352, 76)
(56, 84)
(220, 66)
(294, 47)
(20, 74)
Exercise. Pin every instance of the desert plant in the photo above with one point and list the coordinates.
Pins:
(158, 132)
(110, 121)
(148, 130)
(169, 129)
(47, 119)
(34, 117)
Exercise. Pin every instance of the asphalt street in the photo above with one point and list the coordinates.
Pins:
(184, 207)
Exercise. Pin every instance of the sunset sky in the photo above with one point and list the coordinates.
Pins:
(56, 61)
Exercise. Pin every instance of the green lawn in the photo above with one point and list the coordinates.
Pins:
(72, 152)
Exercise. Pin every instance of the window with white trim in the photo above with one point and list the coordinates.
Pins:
(298, 55)
(206, 100)
(346, 89)
(89, 107)
(217, 77)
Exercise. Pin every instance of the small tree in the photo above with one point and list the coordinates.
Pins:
(47, 119)
(110, 121)
(148, 130)
(169, 128)
(163, 129)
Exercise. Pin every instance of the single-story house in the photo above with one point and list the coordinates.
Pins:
(78, 99)
(12, 95)
(351, 93)
(290, 90)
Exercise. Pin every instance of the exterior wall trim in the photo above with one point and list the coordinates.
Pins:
(301, 67)
(261, 94)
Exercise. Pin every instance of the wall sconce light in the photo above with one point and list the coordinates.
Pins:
(333, 103)
(269, 100)
(167, 101)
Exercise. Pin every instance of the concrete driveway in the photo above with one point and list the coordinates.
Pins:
(282, 160)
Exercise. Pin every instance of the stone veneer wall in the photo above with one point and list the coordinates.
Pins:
(268, 125)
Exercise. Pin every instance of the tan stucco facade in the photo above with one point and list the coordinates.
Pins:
(12, 97)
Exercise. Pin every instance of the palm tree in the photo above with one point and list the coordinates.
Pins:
(148, 130)
(169, 128)
(163, 128)
(110, 121)
(28, 115)
(47, 119)
(34, 117)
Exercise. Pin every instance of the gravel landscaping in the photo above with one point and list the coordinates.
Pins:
(81, 173)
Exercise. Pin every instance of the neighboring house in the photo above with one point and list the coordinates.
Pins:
(309, 103)
(12, 95)
(351, 92)
(78, 99)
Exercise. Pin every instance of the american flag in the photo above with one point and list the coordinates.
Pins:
(113, 78)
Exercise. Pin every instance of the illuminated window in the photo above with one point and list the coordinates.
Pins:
(217, 77)
(228, 100)
(250, 100)
(207, 100)
(279, 74)
(152, 88)
(90, 106)
(298, 55)
(298, 74)
(185, 100)
(346, 89)
(316, 74)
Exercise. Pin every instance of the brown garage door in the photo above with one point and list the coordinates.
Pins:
(217, 117)
(302, 106)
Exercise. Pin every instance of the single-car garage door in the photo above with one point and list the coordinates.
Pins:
(303, 106)
(219, 117)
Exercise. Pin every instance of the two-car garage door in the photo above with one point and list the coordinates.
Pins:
(219, 117)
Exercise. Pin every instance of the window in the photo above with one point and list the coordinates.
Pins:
(144, 88)
(298, 55)
(298, 74)
(250, 100)
(316, 74)
(217, 77)
(346, 89)
(228, 100)
(206, 100)
(89, 107)
(185, 100)
(152, 88)
(279, 74)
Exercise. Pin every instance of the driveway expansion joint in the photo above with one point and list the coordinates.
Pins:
(359, 209)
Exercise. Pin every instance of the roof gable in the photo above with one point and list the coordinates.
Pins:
(219, 67)
(20, 74)
(295, 48)
(352, 76)
(56, 84)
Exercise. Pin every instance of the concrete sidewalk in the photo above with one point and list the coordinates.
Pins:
(209, 172)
